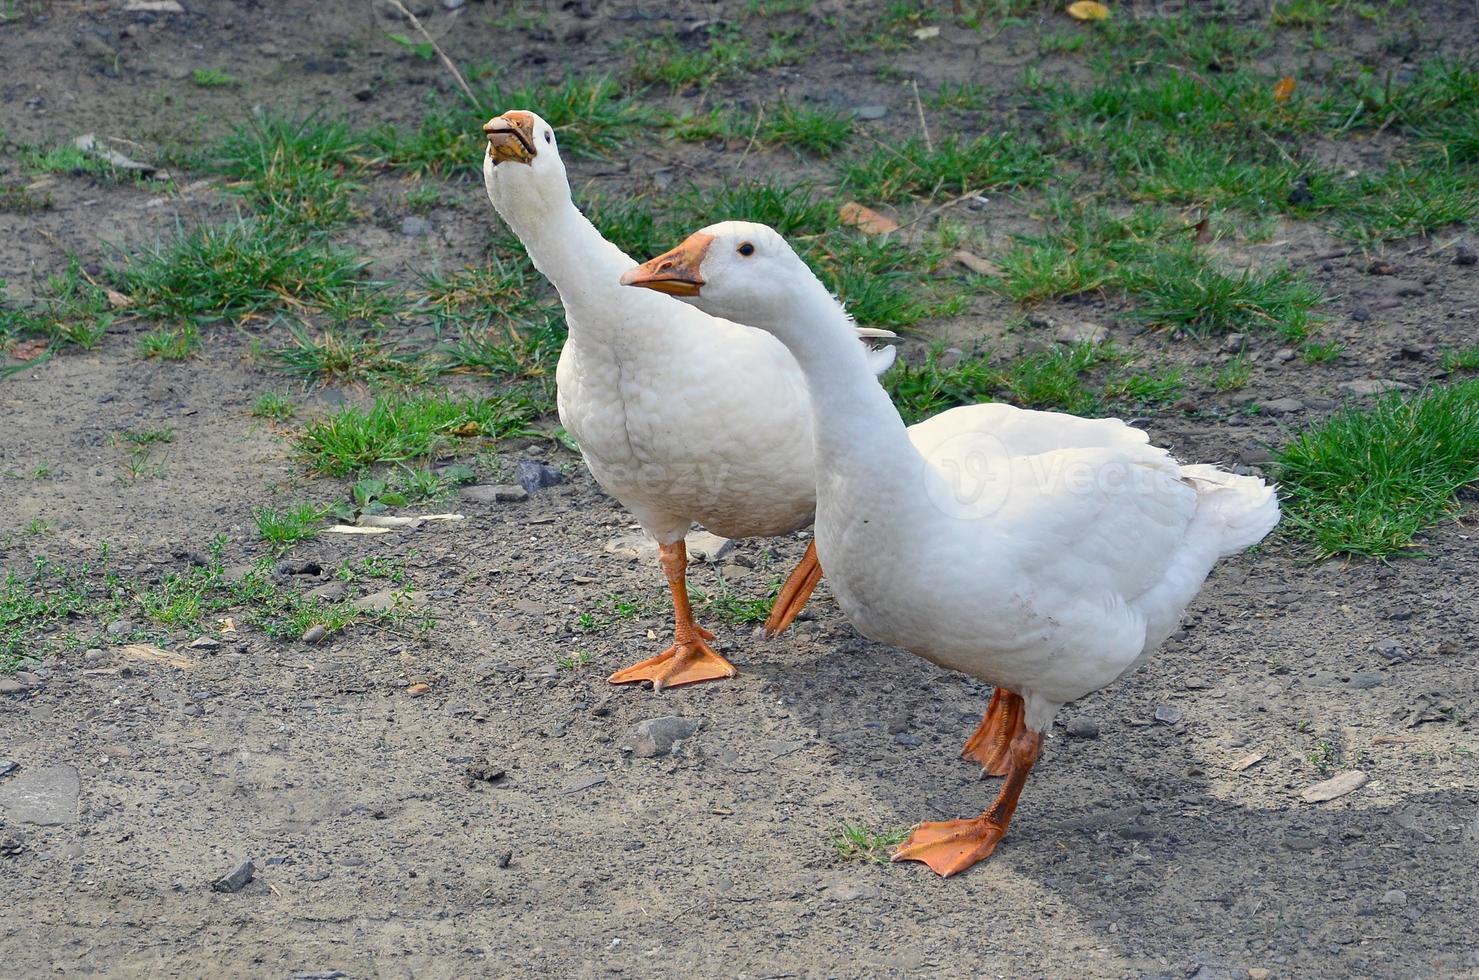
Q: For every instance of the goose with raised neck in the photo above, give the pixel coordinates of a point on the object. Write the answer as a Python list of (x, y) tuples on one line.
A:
[(682, 417)]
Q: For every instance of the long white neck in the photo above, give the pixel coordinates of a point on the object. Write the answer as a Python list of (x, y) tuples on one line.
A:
[(562, 243), (859, 435)]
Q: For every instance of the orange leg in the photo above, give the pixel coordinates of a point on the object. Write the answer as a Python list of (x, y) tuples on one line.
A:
[(991, 746), (689, 660), (793, 595), (951, 846)]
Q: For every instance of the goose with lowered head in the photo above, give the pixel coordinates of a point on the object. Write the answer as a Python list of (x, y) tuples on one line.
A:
[(1040, 552), (681, 416)]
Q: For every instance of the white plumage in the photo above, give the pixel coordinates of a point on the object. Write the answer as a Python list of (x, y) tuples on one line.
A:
[(1041, 552), (680, 416)]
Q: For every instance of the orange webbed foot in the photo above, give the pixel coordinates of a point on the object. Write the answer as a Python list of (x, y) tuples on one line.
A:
[(951, 846), (682, 663)]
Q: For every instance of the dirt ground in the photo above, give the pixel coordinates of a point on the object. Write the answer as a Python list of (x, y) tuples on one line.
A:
[(383, 840)]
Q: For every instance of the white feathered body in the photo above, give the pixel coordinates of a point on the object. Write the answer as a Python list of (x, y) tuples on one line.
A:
[(1039, 552), (681, 416)]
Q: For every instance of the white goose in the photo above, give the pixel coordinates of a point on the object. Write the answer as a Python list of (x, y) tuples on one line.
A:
[(1040, 552), (680, 416)]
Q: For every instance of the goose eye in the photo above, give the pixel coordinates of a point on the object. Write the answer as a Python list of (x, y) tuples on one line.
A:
[(746, 249), (548, 136)]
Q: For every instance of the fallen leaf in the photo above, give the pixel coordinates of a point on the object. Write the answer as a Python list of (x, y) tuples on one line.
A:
[(443, 517), (225, 625), (925, 33), (27, 350), (416, 690), (1283, 89), (158, 655), (978, 265), (866, 220), (1335, 787), (1247, 761), (351, 529), (117, 300), (1204, 232), (1088, 10), (467, 429)]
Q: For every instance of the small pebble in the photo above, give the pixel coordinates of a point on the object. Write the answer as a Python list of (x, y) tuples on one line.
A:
[(1082, 727), (1168, 714), (314, 634)]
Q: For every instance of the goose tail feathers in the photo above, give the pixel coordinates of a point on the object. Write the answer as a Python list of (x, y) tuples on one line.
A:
[(1244, 507)]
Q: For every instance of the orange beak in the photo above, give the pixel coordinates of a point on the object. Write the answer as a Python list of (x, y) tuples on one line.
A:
[(674, 272), (510, 137)]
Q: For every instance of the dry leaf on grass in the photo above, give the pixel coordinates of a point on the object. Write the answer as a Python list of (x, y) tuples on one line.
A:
[(1088, 10), (1283, 89), (925, 33), (866, 220), (467, 430), (978, 265), (27, 350)]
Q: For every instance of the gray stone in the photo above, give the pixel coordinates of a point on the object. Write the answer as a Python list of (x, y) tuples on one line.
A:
[(1365, 680), (1081, 333), (377, 601), (205, 643), (1464, 255), (1372, 386), (534, 475), (93, 657), (1281, 406), (236, 879), (706, 547), (908, 740), (1168, 714), (46, 796), (1081, 727), (314, 634), (414, 226), (870, 112), (495, 493), (656, 736), (329, 592), (855, 891), (1394, 896), (1234, 342), (9, 685), (1389, 649), (7, 767)]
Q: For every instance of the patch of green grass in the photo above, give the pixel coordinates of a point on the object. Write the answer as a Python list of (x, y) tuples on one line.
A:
[(1466, 359), (340, 354), (290, 525), (516, 349), (297, 171), (237, 269), (1322, 353), (790, 208), (727, 607), (965, 96), (68, 159), (213, 78), (171, 343), (1153, 260), (878, 279), (855, 842), (952, 168), (274, 406), (820, 132), (71, 311), (666, 61), (1234, 375), (399, 430), (1366, 481)]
